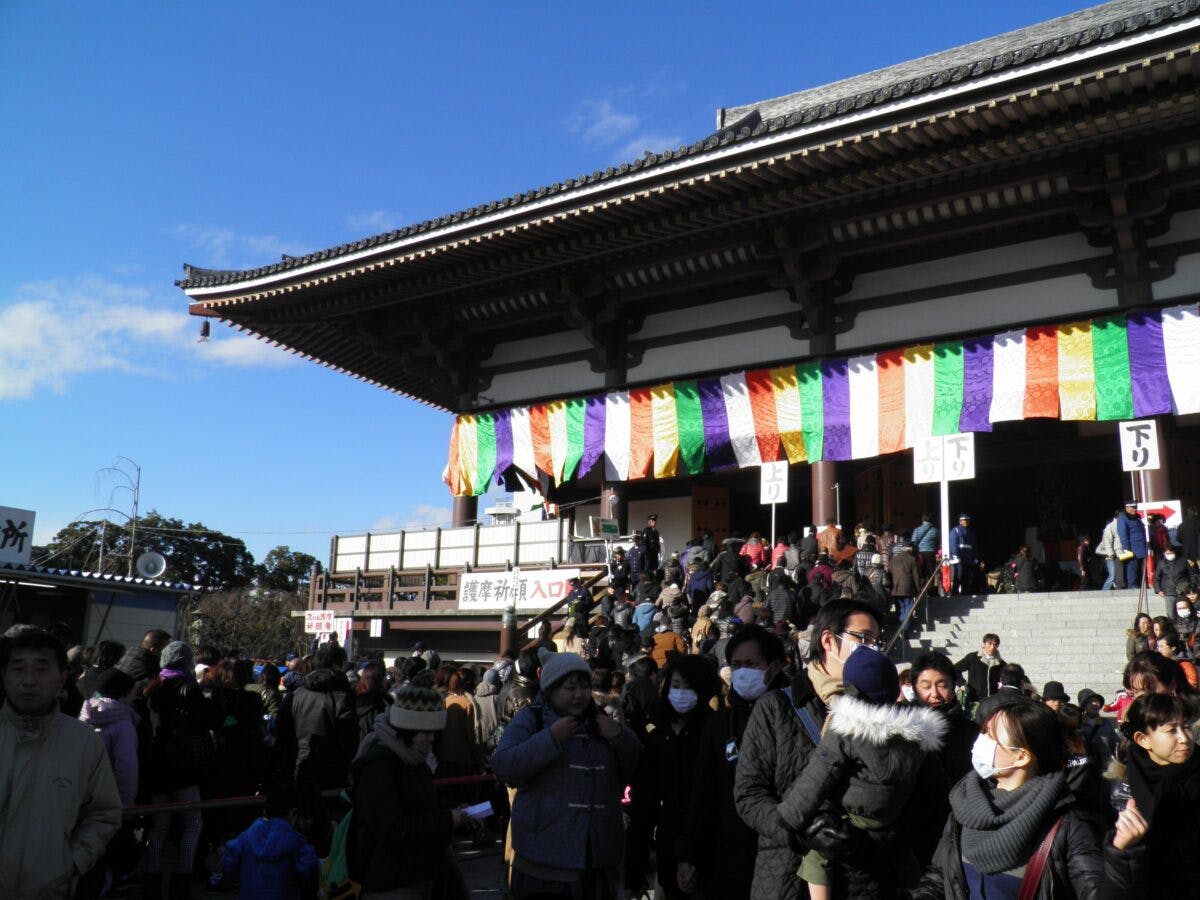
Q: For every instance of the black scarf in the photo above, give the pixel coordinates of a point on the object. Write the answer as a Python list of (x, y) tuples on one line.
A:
[(1153, 785), (1001, 829)]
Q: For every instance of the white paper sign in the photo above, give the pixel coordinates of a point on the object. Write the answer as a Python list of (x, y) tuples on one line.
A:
[(529, 590), (1139, 445), (958, 456), (16, 535), (318, 621), (773, 483), (344, 629), (927, 461), (377, 628)]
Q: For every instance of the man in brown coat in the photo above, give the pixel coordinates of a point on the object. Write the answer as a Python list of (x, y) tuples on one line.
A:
[(906, 576)]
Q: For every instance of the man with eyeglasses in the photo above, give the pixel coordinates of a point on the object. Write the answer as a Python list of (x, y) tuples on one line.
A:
[(784, 728)]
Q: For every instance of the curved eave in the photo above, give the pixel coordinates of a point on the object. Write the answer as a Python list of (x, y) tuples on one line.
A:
[(724, 155)]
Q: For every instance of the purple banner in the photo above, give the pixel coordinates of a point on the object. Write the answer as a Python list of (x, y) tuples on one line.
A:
[(718, 451), (977, 385), (1148, 364), (835, 384), (593, 434), (504, 444)]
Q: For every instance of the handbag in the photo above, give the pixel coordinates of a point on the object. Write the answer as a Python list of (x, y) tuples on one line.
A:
[(1125, 555), (1037, 864)]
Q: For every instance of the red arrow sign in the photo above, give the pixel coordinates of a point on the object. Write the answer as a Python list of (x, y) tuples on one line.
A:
[(1165, 511)]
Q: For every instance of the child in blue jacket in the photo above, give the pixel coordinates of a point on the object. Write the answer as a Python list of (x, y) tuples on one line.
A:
[(271, 861)]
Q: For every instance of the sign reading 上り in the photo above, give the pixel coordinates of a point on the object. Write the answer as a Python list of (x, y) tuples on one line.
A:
[(16, 536), (525, 590), (773, 483), (318, 621)]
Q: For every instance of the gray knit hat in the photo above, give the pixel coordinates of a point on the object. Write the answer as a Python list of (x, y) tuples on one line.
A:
[(557, 666), (177, 655), (417, 709)]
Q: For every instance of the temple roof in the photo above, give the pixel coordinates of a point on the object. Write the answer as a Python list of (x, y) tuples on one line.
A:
[(927, 76)]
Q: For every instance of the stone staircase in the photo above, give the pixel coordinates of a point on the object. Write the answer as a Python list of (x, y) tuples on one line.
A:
[(1076, 637)]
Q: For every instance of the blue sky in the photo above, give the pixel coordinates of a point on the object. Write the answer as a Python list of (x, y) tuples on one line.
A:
[(138, 136)]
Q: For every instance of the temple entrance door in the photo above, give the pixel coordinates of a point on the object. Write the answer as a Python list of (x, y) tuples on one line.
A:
[(710, 511)]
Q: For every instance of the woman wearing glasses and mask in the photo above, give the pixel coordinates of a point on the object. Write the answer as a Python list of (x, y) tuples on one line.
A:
[(1014, 829)]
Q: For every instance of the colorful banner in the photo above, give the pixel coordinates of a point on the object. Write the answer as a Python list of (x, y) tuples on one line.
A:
[(1114, 367)]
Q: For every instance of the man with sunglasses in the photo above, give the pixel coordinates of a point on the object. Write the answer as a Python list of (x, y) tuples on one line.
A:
[(783, 730)]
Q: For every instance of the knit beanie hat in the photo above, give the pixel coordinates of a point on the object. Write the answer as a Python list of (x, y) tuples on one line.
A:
[(557, 666), (871, 675), (417, 709), (177, 655), (114, 684)]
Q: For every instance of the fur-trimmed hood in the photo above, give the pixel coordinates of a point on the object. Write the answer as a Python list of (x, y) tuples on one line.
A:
[(878, 723)]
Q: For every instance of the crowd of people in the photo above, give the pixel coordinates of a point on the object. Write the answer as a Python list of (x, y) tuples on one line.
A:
[(718, 722)]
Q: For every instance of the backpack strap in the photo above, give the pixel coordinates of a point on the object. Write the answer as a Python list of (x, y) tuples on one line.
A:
[(1037, 864), (805, 717)]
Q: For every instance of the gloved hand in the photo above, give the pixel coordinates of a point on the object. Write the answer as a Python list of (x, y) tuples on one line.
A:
[(832, 836)]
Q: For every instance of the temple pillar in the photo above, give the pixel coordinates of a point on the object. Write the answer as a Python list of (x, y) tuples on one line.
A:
[(824, 502), (613, 503), (466, 511)]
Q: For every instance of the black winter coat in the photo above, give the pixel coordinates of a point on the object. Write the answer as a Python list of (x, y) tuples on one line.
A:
[(960, 738), (661, 791), (712, 820), (877, 761), (320, 722), (399, 833), (1171, 576), (1077, 869), (177, 743)]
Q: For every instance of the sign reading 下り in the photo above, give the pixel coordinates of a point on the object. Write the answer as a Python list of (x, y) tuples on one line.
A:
[(1139, 445), (16, 536)]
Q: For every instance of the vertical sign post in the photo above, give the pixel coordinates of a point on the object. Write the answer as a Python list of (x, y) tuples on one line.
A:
[(942, 460), (773, 489), (1139, 450)]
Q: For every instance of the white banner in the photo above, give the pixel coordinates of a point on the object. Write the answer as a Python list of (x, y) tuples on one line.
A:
[(525, 590), (318, 621), (16, 535)]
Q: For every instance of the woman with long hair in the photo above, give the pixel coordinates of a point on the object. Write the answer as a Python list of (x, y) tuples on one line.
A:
[(1140, 637), (1014, 825), (662, 787)]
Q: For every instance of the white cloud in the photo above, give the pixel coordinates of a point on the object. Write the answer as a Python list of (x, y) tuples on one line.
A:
[(600, 122), (656, 143), (427, 516), (422, 515), (224, 247), (243, 350), (376, 221), (52, 332)]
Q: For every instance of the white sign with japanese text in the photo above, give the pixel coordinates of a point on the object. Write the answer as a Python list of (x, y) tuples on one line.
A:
[(773, 483), (951, 457), (526, 590), (318, 621), (1139, 445), (16, 535)]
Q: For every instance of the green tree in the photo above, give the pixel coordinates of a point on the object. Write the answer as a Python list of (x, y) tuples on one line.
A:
[(195, 554), (285, 569), (258, 622)]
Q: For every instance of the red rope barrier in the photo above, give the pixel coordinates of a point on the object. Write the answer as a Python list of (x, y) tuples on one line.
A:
[(259, 799)]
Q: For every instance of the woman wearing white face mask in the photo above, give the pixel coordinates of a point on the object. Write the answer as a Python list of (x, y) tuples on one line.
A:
[(755, 657), (1185, 622), (1014, 829), (661, 789)]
